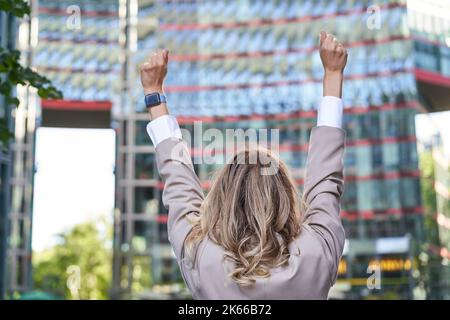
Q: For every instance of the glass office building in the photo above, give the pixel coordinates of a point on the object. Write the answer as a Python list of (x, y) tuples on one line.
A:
[(77, 48), (7, 35), (254, 65), (16, 165)]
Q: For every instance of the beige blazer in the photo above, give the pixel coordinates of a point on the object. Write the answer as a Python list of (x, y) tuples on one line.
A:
[(315, 253)]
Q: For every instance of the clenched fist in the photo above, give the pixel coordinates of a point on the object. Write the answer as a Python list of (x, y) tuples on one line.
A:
[(334, 59), (154, 71), (332, 53)]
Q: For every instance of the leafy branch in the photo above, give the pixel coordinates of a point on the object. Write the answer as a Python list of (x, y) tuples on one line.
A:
[(16, 74), (18, 8), (12, 73)]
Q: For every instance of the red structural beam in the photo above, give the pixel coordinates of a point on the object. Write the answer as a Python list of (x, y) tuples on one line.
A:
[(432, 77), (162, 218), (251, 54), (285, 147), (268, 22), (353, 215), (256, 54), (298, 114), (421, 75), (78, 105), (371, 214), (98, 41), (106, 106), (227, 25), (75, 70), (379, 176), (279, 83), (84, 13), (383, 176)]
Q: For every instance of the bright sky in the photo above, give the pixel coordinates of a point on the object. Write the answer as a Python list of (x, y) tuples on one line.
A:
[(429, 123), (74, 181)]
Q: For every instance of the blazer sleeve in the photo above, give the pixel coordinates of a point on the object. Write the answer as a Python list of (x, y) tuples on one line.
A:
[(323, 189), (182, 195)]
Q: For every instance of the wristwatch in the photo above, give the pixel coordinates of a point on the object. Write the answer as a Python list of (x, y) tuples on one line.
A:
[(154, 99)]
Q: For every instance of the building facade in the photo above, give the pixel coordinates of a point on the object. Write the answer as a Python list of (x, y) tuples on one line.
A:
[(77, 52), (254, 65), (7, 36), (17, 165)]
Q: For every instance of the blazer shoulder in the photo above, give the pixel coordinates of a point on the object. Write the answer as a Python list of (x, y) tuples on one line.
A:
[(173, 149), (310, 250)]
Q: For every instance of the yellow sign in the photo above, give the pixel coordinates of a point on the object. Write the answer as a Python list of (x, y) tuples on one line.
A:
[(385, 264), (342, 269), (391, 264)]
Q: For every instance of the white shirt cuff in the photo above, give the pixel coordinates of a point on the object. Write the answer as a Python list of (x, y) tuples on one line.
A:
[(330, 111), (162, 128)]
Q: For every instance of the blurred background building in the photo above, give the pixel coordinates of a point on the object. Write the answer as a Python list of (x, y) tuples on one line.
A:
[(254, 64), (7, 40), (17, 166)]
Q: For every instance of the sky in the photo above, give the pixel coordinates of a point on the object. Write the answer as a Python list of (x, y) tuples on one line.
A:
[(74, 180), (429, 123)]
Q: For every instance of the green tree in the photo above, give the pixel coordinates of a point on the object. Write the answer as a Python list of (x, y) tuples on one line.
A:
[(87, 249), (12, 73), (430, 261), (426, 165)]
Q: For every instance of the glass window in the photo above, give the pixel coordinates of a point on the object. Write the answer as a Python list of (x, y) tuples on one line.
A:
[(142, 139), (393, 196), (350, 160), (408, 155), (350, 198), (142, 200), (145, 166), (390, 156), (351, 229), (377, 158), (410, 192), (364, 161), (379, 198), (364, 195), (414, 227)]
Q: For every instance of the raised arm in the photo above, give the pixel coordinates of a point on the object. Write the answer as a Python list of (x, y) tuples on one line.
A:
[(182, 195), (324, 169)]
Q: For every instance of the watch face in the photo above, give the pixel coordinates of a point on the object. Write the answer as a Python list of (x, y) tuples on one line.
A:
[(152, 99)]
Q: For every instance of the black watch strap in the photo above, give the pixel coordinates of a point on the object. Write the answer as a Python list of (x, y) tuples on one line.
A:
[(154, 99)]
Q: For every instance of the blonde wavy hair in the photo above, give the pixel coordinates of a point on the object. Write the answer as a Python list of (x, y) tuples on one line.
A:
[(251, 211)]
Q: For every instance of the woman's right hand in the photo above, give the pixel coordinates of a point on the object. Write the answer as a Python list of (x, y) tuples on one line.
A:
[(334, 58), (154, 70), (332, 53), (153, 73)]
